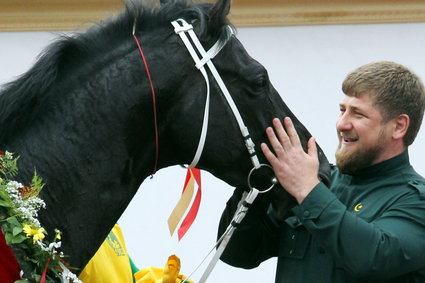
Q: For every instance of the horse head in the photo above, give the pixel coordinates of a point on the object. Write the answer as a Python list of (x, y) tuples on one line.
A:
[(184, 99)]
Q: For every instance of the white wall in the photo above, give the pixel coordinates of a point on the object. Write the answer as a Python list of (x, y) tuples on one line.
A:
[(306, 65)]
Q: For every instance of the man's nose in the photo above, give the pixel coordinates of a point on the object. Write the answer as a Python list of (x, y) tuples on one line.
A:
[(344, 122)]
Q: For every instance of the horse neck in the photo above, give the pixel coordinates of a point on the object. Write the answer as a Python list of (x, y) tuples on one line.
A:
[(93, 146)]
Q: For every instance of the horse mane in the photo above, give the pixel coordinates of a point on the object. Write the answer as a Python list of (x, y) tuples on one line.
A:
[(26, 98)]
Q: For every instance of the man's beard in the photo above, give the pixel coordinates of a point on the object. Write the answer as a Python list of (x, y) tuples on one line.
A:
[(353, 161)]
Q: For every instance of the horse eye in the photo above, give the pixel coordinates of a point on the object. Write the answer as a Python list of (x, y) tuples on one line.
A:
[(262, 82)]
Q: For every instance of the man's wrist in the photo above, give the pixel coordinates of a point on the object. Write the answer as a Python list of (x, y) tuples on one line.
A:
[(303, 193)]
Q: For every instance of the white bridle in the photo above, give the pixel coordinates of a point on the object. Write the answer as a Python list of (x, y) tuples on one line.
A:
[(182, 28)]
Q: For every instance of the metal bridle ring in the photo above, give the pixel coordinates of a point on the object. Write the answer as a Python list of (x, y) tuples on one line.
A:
[(273, 180)]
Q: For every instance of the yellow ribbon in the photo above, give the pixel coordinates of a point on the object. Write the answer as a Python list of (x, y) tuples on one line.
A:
[(182, 205)]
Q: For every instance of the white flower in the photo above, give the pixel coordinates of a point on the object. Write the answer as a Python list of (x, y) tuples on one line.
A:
[(8, 155), (14, 185), (67, 275), (28, 208), (53, 246)]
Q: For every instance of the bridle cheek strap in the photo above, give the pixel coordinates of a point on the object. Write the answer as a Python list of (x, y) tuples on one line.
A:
[(181, 27), (181, 31)]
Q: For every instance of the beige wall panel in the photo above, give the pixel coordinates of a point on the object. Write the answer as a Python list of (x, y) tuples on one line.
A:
[(31, 15)]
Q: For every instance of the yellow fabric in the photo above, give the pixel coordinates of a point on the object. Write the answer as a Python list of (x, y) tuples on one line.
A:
[(151, 274), (111, 263)]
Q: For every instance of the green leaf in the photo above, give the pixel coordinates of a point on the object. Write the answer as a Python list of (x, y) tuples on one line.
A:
[(18, 239), (37, 181), (21, 281), (8, 237), (12, 220), (17, 230), (5, 203)]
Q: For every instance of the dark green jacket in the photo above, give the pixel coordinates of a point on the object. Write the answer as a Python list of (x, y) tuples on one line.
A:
[(366, 228)]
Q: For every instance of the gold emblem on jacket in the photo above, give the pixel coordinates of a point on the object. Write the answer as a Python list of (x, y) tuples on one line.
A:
[(358, 207)]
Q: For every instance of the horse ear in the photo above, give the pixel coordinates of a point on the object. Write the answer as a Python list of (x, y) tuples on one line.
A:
[(219, 12)]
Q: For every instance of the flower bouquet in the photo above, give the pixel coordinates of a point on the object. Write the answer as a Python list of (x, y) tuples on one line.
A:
[(40, 261)]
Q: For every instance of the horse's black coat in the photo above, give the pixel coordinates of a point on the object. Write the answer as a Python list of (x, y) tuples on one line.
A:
[(83, 116)]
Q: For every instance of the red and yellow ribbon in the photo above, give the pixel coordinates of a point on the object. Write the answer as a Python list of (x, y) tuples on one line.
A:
[(193, 175)]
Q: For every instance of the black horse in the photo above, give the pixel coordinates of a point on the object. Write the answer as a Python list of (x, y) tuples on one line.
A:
[(85, 118)]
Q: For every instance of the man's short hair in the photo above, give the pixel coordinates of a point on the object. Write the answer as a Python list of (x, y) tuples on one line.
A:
[(395, 90)]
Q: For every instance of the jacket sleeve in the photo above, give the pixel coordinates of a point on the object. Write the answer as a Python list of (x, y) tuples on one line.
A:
[(255, 239), (389, 246)]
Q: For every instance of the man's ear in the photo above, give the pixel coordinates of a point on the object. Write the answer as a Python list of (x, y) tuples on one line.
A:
[(402, 123)]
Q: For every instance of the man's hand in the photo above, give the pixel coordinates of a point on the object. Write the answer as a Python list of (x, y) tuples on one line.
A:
[(296, 170)]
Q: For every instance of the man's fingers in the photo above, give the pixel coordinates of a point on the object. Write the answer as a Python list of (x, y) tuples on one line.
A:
[(282, 138), (281, 133), (275, 142), (291, 132), (268, 154), (312, 148)]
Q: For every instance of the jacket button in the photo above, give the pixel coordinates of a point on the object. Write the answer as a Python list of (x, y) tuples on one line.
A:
[(306, 213)]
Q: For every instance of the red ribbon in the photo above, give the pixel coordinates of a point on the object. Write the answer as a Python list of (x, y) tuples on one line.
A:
[(43, 275), (145, 63), (191, 215)]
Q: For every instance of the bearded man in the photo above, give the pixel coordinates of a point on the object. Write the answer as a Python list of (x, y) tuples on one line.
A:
[(369, 224)]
